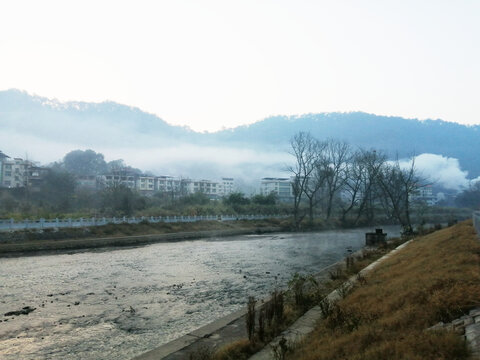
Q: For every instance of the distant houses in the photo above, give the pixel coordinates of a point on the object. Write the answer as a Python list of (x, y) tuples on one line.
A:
[(20, 173), (176, 186)]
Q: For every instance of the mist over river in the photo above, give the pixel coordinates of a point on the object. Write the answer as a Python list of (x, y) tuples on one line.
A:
[(118, 303)]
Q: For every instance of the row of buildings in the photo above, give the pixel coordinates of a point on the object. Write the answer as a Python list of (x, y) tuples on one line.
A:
[(175, 186), (18, 173)]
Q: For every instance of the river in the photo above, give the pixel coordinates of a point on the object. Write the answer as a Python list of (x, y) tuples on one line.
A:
[(117, 303)]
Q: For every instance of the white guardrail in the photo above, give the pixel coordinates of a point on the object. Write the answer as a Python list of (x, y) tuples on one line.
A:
[(476, 221), (11, 224)]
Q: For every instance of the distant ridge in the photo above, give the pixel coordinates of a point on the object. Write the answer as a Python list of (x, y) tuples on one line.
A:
[(110, 124), (395, 135)]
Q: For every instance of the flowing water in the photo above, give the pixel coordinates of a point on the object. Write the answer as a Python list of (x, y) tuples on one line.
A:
[(118, 303)]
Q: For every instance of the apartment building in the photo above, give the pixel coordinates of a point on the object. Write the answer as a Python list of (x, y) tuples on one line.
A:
[(120, 177), (282, 187), (145, 184), (14, 173), (226, 186), (169, 184), (17, 173), (3, 158), (89, 181), (425, 194)]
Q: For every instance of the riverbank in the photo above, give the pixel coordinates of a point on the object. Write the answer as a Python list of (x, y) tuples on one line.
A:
[(390, 314), (227, 338), (28, 242), (396, 308), (21, 248), (117, 303)]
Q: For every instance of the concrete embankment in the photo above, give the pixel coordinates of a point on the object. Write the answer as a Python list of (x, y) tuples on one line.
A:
[(221, 332), (231, 329), (306, 324), (19, 248)]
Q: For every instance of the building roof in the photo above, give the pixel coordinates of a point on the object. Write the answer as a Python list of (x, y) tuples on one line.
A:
[(3, 156)]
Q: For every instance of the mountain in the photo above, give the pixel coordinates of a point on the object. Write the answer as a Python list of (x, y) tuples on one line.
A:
[(47, 129), (395, 135), (107, 123)]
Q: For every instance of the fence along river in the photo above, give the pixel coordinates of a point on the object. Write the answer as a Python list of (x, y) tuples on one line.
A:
[(11, 224), (119, 303)]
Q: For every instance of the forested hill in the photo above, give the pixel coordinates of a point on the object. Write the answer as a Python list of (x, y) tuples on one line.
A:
[(112, 125), (83, 123), (395, 135)]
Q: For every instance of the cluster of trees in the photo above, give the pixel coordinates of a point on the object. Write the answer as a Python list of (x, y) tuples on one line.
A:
[(89, 162), (331, 177)]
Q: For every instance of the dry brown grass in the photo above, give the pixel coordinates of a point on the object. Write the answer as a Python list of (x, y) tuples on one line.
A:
[(238, 350), (435, 278)]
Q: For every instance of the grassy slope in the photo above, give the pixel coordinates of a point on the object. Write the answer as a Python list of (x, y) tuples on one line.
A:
[(435, 278)]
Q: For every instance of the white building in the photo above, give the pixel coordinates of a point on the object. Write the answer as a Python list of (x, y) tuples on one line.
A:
[(89, 181), (19, 173), (170, 184), (226, 186), (282, 187), (3, 158), (145, 183), (124, 178), (181, 187), (15, 173), (425, 194), (174, 186)]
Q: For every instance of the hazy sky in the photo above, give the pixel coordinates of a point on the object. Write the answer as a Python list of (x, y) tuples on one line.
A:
[(213, 64)]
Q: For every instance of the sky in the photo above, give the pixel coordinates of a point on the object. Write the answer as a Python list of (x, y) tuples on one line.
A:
[(213, 64)]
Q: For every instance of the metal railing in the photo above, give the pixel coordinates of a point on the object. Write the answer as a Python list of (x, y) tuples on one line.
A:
[(11, 224), (476, 221)]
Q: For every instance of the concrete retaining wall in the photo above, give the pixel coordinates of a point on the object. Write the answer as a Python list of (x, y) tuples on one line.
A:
[(306, 324)]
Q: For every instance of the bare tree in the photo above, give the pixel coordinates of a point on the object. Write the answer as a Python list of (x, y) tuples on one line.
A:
[(317, 179), (351, 193), (304, 150), (398, 185), (360, 190), (337, 154), (372, 165)]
